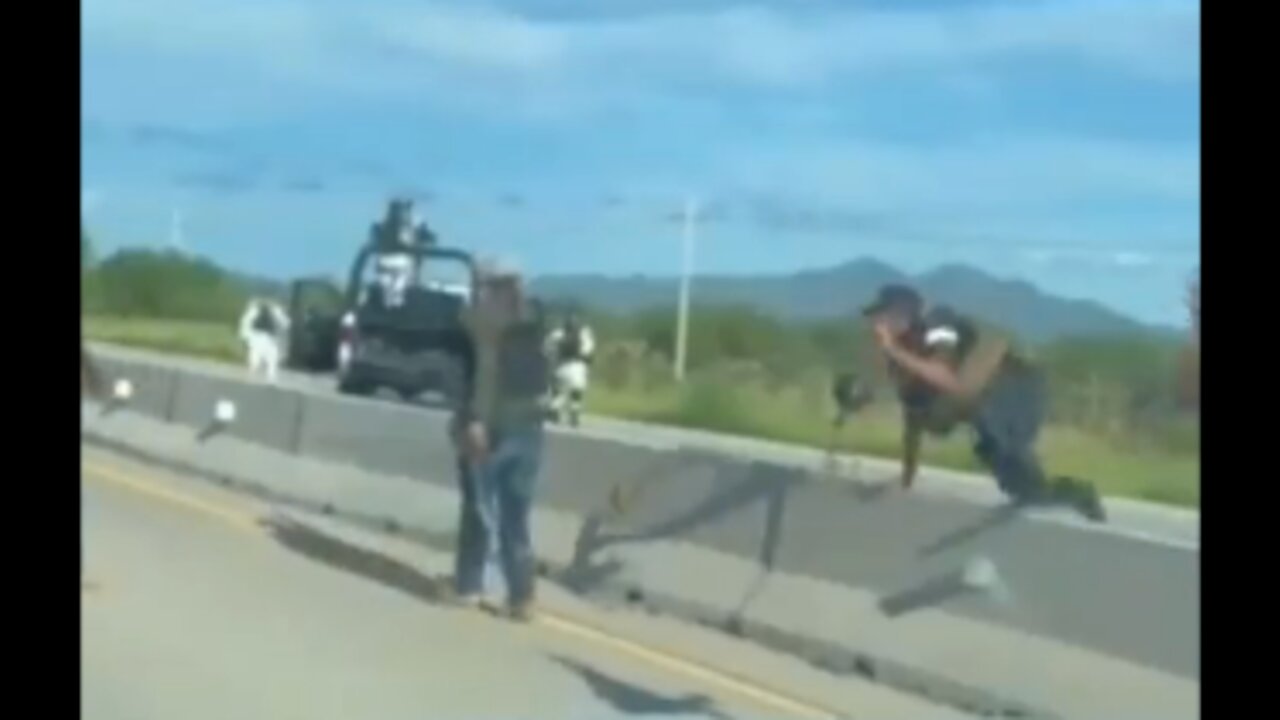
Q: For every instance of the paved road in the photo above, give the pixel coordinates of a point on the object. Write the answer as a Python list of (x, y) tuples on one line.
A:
[(200, 603)]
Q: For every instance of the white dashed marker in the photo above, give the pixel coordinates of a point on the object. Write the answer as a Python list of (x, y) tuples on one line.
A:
[(224, 412), (981, 575)]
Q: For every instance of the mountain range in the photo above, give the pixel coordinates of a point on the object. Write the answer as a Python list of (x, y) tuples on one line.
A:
[(841, 290)]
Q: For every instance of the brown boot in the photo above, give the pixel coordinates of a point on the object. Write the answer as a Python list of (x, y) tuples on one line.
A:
[(522, 610)]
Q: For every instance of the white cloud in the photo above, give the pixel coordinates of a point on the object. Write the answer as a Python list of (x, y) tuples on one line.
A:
[(1132, 259), (405, 45), (477, 38), (495, 60), (1104, 259), (1017, 174), (90, 199)]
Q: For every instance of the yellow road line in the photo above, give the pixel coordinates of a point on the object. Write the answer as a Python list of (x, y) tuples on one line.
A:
[(245, 521), (689, 668), (241, 520)]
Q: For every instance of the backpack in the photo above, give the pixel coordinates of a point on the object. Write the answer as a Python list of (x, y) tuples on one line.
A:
[(264, 321), (933, 410)]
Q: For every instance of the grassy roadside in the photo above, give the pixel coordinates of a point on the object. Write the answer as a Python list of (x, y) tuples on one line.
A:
[(791, 414), (215, 341)]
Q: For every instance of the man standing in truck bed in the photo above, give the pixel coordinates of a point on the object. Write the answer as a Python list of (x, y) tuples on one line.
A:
[(948, 373)]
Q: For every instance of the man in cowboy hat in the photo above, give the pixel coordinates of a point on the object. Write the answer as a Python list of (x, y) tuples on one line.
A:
[(498, 427)]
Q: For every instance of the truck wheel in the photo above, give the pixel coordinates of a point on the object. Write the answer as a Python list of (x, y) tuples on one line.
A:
[(347, 385), (448, 379)]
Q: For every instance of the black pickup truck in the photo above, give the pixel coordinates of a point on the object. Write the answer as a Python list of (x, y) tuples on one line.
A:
[(409, 341)]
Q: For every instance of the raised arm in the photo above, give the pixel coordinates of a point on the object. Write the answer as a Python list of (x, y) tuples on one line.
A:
[(965, 382)]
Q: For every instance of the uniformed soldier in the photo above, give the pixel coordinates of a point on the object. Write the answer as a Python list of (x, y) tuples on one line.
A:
[(262, 327), (573, 347)]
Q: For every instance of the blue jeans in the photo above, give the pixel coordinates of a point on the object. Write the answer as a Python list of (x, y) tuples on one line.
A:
[(497, 499)]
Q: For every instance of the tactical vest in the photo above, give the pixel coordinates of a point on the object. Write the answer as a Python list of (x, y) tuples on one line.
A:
[(570, 345), (524, 372), (264, 321), (511, 391), (937, 412)]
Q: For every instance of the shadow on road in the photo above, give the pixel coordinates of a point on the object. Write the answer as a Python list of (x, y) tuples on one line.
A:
[(998, 517), (868, 492), (931, 593), (328, 550), (762, 484), (632, 699)]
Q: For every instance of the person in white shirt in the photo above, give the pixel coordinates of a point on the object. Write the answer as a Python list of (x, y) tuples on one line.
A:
[(572, 346), (394, 274), (262, 327)]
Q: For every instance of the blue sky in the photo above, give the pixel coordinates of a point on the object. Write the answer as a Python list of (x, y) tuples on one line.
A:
[(1051, 140)]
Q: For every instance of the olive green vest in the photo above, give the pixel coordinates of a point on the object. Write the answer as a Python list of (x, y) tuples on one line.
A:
[(944, 411)]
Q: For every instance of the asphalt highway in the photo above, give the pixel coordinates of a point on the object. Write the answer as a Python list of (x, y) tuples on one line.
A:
[(199, 603)]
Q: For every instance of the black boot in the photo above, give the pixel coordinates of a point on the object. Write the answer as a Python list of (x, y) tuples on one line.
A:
[(1081, 496)]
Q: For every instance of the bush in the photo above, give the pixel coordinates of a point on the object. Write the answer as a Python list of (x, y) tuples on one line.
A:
[(749, 373), (168, 285)]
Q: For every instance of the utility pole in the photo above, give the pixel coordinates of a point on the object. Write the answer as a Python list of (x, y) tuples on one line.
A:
[(175, 231), (686, 272)]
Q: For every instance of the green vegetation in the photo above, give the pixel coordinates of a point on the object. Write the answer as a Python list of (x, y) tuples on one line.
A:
[(1148, 457), (1115, 413), (213, 341)]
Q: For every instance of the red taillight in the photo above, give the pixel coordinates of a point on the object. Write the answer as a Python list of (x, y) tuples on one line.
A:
[(347, 330)]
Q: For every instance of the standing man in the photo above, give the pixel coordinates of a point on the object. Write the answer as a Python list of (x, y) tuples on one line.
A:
[(498, 429), (573, 345), (262, 327), (949, 373)]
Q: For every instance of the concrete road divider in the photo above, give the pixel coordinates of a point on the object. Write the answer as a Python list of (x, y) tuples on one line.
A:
[(1122, 599)]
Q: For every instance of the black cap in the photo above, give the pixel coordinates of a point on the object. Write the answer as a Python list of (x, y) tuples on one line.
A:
[(895, 297)]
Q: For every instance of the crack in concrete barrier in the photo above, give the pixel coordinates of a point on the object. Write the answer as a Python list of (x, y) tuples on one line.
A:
[(823, 654)]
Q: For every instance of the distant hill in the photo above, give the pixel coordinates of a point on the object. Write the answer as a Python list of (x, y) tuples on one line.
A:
[(839, 291), (259, 286)]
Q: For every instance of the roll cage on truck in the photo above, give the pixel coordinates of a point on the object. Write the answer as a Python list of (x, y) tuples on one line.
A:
[(408, 338)]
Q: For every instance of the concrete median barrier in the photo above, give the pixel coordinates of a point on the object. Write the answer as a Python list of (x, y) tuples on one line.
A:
[(155, 387), (768, 545), (263, 414), (382, 437)]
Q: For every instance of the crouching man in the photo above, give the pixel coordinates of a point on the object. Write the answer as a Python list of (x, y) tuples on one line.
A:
[(949, 373), (498, 430)]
